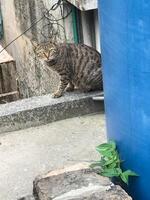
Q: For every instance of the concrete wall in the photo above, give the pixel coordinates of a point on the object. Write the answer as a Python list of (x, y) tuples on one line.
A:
[(90, 28), (86, 28), (85, 4), (33, 78)]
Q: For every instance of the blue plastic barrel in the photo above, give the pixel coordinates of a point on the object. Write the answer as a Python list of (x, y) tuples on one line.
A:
[(125, 43)]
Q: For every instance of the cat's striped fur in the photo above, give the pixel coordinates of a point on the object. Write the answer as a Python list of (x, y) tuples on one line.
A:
[(77, 64)]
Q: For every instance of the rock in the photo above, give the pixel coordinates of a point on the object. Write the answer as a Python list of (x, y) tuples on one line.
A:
[(76, 183)]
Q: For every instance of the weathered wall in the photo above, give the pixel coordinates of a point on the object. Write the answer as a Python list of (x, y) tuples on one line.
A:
[(85, 4), (33, 77)]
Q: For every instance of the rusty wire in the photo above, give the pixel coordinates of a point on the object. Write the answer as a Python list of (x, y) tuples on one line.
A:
[(52, 21), (54, 24)]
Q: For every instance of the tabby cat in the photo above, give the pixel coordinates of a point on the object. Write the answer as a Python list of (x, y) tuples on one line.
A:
[(77, 64)]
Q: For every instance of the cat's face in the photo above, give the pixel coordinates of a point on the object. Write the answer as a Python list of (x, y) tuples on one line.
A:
[(47, 52)]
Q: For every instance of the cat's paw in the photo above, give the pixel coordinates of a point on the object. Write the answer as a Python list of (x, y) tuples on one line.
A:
[(69, 89), (56, 95)]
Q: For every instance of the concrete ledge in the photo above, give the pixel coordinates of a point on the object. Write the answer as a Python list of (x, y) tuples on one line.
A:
[(40, 110)]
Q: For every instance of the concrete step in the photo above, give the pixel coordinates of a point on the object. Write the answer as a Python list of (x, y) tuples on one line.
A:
[(40, 110), (37, 150)]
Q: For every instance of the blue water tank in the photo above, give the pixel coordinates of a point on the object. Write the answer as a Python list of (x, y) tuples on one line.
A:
[(125, 43)]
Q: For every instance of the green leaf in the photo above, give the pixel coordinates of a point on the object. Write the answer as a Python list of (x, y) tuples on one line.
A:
[(130, 173), (111, 172), (103, 161), (114, 158), (125, 175), (96, 164), (113, 144), (124, 178), (110, 162), (113, 165), (104, 146), (110, 146), (119, 170), (107, 154)]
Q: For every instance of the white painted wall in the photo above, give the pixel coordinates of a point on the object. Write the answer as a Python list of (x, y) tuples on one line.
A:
[(97, 30), (91, 29), (87, 37)]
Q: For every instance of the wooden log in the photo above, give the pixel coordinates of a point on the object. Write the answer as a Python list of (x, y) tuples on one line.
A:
[(4, 56), (1, 81), (8, 94), (8, 82)]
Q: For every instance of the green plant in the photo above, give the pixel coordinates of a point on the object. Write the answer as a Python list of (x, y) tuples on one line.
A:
[(110, 163)]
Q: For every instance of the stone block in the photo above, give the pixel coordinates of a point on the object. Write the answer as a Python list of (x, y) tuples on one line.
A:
[(77, 182)]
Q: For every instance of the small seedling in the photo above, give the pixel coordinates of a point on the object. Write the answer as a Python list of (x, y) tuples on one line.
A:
[(110, 163)]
